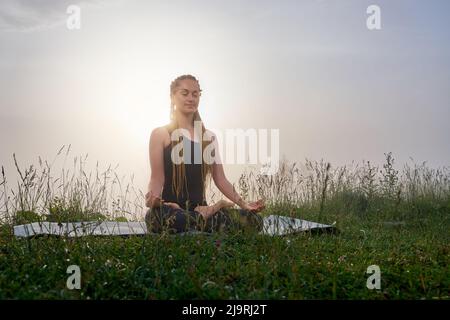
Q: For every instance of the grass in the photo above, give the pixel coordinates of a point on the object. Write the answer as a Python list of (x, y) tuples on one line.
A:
[(399, 221)]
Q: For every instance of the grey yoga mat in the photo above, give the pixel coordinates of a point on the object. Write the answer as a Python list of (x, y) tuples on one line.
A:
[(274, 225)]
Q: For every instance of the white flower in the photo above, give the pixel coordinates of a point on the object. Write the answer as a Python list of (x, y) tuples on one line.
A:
[(208, 283)]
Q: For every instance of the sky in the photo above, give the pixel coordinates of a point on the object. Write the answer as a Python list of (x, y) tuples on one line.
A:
[(312, 69)]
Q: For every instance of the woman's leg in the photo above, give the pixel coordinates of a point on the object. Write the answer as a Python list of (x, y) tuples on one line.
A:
[(250, 221), (231, 220), (221, 221), (178, 220), (166, 218)]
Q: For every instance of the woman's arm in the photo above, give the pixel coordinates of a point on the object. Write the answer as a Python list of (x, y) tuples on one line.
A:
[(220, 179), (229, 191), (156, 155), (226, 187)]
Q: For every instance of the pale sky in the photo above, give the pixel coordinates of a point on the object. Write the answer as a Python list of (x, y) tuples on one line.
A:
[(312, 69)]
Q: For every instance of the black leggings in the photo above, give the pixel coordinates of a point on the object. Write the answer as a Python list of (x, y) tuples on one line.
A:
[(178, 220)]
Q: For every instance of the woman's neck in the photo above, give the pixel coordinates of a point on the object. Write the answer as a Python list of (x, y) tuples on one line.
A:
[(185, 121)]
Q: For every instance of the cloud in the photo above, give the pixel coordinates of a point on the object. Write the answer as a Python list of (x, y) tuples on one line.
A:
[(26, 15)]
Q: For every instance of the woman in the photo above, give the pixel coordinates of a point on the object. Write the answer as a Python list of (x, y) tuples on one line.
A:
[(176, 192)]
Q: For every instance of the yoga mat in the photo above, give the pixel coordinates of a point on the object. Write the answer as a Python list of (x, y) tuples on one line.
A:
[(274, 225)]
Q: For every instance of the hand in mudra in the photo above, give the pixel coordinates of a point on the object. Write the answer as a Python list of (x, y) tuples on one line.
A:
[(255, 207), (155, 201), (207, 211), (152, 200)]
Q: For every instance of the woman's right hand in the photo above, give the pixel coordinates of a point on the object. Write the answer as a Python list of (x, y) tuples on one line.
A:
[(152, 201)]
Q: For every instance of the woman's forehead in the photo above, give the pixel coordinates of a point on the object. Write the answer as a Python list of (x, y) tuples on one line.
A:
[(189, 85)]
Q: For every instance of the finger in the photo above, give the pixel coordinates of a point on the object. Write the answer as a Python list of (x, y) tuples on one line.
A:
[(258, 209)]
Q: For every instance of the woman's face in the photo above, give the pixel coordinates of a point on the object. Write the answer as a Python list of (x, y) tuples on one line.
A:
[(186, 96)]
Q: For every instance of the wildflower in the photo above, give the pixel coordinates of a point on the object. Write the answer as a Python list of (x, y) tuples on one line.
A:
[(208, 283)]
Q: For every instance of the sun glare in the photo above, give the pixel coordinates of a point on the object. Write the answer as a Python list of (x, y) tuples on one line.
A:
[(137, 122)]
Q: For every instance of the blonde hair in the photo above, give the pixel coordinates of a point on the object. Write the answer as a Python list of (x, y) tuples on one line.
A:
[(179, 171)]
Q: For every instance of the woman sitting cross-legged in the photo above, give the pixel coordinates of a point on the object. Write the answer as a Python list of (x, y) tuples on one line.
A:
[(176, 192)]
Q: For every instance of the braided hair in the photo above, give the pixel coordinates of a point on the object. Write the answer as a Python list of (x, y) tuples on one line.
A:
[(179, 173)]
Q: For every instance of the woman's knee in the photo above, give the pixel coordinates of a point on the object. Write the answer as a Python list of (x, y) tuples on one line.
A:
[(153, 220), (251, 220)]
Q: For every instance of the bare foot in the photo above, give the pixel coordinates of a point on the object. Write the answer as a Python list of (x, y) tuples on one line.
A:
[(207, 211)]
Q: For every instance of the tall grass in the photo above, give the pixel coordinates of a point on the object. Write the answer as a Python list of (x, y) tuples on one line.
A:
[(359, 189), (397, 219), (73, 194), (363, 190)]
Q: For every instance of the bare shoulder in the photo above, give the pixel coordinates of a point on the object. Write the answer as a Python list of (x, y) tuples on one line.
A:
[(160, 135), (160, 131)]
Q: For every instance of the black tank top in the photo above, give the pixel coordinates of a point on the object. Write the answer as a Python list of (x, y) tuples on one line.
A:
[(193, 171)]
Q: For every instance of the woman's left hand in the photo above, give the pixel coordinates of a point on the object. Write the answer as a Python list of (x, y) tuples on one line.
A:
[(255, 207)]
